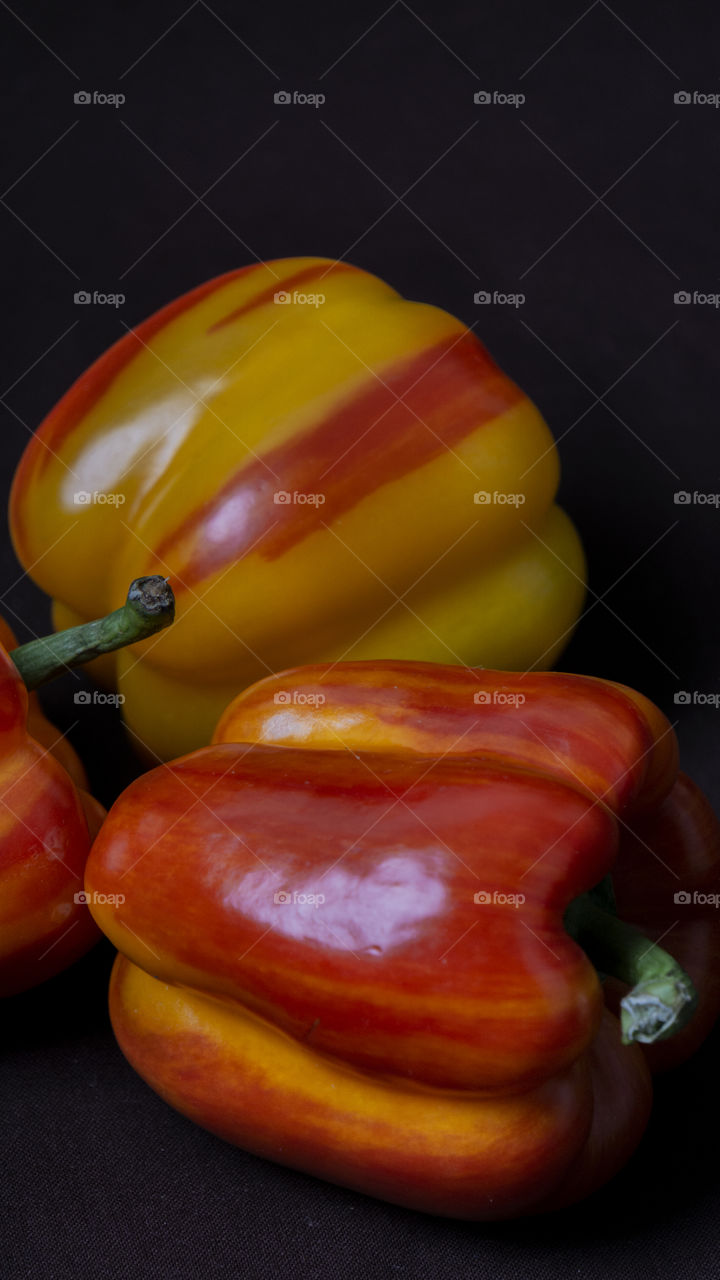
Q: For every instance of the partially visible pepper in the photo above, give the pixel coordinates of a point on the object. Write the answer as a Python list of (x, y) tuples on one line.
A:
[(41, 729), (48, 819)]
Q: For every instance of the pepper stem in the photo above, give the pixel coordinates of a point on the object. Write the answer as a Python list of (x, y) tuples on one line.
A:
[(149, 607), (662, 999)]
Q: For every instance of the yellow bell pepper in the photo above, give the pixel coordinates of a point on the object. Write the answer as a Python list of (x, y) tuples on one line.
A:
[(322, 469)]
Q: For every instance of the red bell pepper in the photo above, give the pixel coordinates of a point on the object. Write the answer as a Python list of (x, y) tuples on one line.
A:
[(358, 931), (47, 818)]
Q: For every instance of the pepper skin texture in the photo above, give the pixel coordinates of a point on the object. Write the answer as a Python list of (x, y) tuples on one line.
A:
[(342, 941), (47, 824), (353, 479)]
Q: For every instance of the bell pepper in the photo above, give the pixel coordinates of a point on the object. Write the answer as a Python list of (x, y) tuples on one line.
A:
[(49, 819), (360, 932), (322, 469), (41, 729)]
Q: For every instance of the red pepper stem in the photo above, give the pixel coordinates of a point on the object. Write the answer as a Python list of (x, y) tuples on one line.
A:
[(662, 999), (149, 607)]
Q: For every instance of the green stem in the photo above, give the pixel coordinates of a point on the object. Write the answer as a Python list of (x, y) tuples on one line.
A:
[(662, 999), (149, 607)]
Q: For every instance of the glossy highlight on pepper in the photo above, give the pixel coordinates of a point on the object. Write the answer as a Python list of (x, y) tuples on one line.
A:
[(350, 478)]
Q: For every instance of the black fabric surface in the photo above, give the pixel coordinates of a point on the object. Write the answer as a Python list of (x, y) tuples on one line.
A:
[(598, 199)]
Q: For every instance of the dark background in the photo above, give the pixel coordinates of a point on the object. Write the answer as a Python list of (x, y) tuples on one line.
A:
[(598, 199)]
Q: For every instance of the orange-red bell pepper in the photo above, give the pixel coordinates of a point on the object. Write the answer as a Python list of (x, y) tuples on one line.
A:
[(48, 823), (346, 928), (47, 817), (41, 729)]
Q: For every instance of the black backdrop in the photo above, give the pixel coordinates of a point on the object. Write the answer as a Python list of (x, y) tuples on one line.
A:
[(597, 198)]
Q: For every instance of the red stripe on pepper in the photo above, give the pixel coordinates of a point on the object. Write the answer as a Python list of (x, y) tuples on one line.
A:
[(453, 388)]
